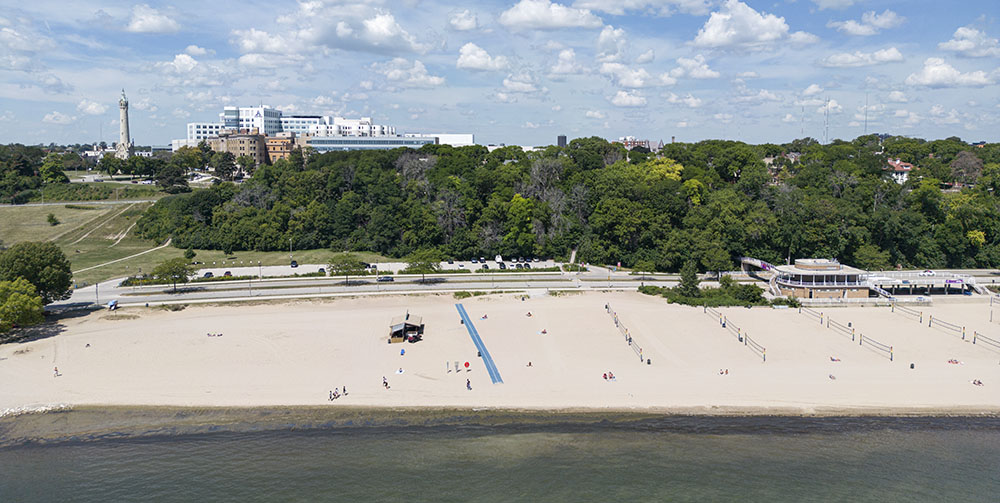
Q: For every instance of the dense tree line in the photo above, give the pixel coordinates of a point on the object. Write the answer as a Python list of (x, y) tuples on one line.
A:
[(709, 202)]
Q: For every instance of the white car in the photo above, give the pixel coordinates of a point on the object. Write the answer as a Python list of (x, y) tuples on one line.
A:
[(498, 259), (928, 272)]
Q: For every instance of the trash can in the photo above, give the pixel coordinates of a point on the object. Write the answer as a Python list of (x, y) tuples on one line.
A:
[(648, 361)]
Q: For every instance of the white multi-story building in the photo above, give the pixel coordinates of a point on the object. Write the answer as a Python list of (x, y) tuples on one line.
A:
[(198, 131), (453, 139), (263, 118)]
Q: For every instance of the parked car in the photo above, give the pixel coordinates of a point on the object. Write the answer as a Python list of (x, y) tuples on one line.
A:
[(519, 266), (535, 259), (502, 265), (486, 266), (228, 274), (474, 261), (527, 266), (295, 264), (520, 259), (451, 261), (385, 279), (209, 275), (482, 260), (928, 272), (321, 270), (498, 259), (366, 265)]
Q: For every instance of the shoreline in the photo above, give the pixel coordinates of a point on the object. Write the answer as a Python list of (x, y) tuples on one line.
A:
[(95, 423)]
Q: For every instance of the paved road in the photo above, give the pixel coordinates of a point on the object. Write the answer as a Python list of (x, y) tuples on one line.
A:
[(82, 203)]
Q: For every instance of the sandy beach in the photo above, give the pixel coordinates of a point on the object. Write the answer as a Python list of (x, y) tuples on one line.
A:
[(294, 354)]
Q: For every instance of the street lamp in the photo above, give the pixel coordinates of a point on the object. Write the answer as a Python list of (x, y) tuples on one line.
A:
[(289, 248)]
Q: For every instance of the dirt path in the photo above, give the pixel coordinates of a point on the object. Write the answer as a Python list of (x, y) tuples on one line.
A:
[(100, 225), (164, 245), (120, 238)]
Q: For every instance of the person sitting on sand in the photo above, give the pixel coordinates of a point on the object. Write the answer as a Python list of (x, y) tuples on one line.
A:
[(544, 331), (611, 377), (832, 359), (529, 314), (529, 364), (605, 376), (484, 317), (977, 382), (833, 377)]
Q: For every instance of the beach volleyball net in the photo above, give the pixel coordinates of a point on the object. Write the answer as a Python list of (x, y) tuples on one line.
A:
[(876, 345), (812, 313), (626, 333), (840, 327), (946, 326), (896, 308), (741, 336)]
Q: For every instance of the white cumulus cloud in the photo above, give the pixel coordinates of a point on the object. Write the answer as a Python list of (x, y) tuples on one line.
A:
[(897, 97), (58, 118), (937, 73), (688, 100), (463, 21), (545, 15), (646, 57), (655, 7), (194, 50), (972, 43), (812, 90), (146, 19), (91, 107), (695, 68), (834, 4), (628, 99), (595, 114), (625, 76), (870, 24), (739, 25), (611, 44), (566, 64), (859, 58), (473, 57), (401, 72)]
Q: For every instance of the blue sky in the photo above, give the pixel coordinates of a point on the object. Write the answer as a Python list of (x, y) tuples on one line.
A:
[(514, 71)]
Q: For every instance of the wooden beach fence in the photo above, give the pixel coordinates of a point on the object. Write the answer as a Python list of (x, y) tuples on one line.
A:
[(818, 315)]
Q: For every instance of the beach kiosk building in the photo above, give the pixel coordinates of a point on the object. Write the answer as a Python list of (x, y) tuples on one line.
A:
[(406, 328), (812, 278)]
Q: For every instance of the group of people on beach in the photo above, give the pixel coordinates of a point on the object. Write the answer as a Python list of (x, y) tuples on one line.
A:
[(609, 376), (335, 394), (214, 335), (723, 372), (977, 382)]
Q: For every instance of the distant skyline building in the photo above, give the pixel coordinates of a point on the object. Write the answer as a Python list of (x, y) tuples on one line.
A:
[(124, 148), (561, 140)]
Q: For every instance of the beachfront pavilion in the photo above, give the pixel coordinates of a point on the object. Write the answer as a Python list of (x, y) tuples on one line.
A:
[(821, 279), (406, 328)]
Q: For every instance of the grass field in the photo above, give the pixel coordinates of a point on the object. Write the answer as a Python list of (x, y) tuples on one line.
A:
[(91, 238)]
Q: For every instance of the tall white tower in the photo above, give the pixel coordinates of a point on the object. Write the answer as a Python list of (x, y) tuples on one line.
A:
[(124, 148)]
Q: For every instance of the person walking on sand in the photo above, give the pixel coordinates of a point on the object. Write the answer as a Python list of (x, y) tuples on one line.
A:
[(468, 384), (331, 395), (345, 390), (55, 371)]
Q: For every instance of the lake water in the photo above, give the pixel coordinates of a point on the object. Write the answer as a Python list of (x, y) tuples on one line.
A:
[(665, 459)]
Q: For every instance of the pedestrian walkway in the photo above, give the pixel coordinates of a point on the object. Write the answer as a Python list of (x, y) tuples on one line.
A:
[(491, 367)]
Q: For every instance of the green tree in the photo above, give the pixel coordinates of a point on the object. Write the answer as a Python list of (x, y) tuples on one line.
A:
[(644, 266), (189, 253), (716, 259), (175, 270), (345, 264), (871, 258), (111, 164), (424, 261), (42, 264), (689, 280), (20, 304), (246, 163), (224, 164), (52, 170), (52, 220)]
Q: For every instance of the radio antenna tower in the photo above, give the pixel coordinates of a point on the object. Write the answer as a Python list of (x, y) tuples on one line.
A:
[(826, 122), (866, 114)]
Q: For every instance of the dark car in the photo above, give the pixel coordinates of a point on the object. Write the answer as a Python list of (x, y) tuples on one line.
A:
[(321, 270), (486, 266), (450, 261), (527, 266), (385, 279), (482, 259), (228, 274), (209, 275), (520, 259), (502, 265), (295, 264), (518, 266), (366, 265)]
